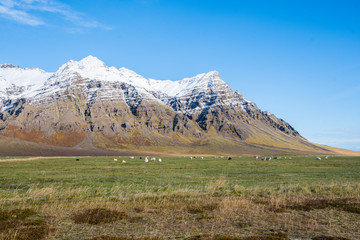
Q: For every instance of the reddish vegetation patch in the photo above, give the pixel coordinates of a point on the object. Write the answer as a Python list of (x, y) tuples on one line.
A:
[(16, 132), (64, 139)]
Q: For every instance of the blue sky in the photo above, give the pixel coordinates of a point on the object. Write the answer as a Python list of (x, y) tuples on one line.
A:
[(298, 59)]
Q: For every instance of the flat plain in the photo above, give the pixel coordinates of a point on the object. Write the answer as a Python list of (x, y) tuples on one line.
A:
[(207, 197)]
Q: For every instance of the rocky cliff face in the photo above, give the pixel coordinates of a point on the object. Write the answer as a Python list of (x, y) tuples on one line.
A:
[(117, 109)]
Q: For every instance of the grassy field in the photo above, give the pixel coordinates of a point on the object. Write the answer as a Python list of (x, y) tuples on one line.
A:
[(180, 198)]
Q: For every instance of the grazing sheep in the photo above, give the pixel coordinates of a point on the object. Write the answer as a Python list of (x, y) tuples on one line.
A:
[(140, 157), (263, 158), (131, 157), (229, 158), (326, 157), (115, 159), (146, 160), (78, 159), (256, 157), (202, 157), (123, 161), (318, 158), (159, 160), (190, 157), (153, 159)]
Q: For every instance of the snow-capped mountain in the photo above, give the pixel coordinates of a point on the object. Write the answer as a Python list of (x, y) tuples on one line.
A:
[(119, 109), (16, 81), (36, 85)]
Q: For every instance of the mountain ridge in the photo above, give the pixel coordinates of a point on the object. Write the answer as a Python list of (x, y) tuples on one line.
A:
[(119, 110)]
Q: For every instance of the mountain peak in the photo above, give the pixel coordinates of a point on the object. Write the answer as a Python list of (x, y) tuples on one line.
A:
[(213, 73), (91, 61)]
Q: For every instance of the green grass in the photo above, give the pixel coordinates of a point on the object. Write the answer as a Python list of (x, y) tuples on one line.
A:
[(176, 173), (210, 197)]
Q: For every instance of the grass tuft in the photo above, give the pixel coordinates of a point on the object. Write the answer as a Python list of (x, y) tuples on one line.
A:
[(269, 236), (15, 224), (98, 216), (27, 233), (329, 238), (106, 237), (242, 224), (202, 208), (16, 214), (314, 204), (9, 224)]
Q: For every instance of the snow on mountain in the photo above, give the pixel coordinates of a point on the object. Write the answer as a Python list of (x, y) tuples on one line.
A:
[(202, 90), (15, 81), (185, 86), (89, 67)]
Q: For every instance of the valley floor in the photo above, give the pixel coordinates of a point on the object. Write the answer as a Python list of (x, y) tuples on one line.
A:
[(180, 198)]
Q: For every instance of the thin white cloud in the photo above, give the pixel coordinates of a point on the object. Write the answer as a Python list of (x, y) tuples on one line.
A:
[(19, 16), (24, 12)]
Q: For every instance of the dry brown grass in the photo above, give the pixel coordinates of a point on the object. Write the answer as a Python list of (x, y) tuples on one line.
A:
[(20, 224), (188, 217)]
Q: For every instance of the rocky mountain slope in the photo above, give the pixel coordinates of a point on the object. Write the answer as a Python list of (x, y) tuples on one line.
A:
[(88, 105)]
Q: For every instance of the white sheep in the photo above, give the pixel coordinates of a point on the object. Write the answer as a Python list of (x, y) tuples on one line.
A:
[(115, 159), (160, 160), (123, 161), (131, 157), (190, 157), (202, 157), (318, 158), (146, 160), (326, 157), (153, 159)]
